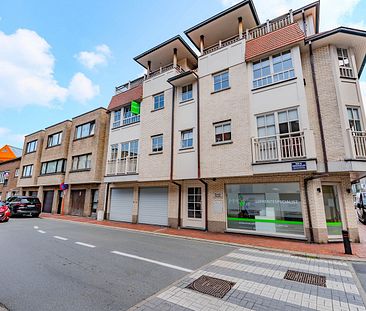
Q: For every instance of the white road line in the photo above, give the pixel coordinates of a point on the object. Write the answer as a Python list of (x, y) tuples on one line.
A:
[(41, 231), (152, 261), (60, 238), (35, 227), (84, 244)]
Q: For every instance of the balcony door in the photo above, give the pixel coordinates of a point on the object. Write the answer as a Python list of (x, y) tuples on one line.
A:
[(332, 211)]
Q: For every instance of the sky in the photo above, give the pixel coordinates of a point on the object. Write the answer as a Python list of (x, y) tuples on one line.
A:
[(59, 59)]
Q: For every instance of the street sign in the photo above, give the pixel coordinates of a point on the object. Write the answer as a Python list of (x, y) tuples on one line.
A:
[(298, 166), (64, 186)]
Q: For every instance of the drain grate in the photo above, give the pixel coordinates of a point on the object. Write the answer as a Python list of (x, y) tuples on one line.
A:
[(211, 286), (304, 277)]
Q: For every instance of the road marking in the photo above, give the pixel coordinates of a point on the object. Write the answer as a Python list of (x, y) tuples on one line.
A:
[(41, 231), (152, 261), (35, 227), (60, 238), (84, 244)]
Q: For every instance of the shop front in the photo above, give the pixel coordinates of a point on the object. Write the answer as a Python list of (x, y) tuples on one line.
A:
[(266, 208)]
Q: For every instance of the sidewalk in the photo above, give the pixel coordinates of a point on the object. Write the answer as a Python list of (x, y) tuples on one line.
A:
[(322, 250)]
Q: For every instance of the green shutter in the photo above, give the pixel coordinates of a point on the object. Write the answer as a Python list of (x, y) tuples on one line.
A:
[(135, 107)]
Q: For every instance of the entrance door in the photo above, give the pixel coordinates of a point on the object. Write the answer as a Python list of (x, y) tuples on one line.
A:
[(332, 211), (59, 205), (77, 202), (193, 211), (47, 201), (94, 203)]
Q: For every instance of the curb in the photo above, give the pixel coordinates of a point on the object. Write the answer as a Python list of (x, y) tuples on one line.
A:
[(263, 248)]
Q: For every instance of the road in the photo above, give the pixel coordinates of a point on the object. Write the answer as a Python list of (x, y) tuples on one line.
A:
[(57, 265)]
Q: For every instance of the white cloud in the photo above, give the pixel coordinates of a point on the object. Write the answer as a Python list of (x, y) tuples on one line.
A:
[(333, 13), (90, 59), (82, 88), (27, 73), (8, 137)]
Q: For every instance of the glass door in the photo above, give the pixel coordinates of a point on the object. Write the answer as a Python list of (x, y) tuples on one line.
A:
[(332, 211)]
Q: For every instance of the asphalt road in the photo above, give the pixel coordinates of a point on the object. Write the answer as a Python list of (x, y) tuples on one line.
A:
[(57, 265)]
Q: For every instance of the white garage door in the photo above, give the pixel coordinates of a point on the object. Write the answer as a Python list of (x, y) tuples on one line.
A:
[(121, 205), (153, 206)]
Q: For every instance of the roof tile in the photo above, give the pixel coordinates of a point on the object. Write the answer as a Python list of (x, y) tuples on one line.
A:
[(126, 97)]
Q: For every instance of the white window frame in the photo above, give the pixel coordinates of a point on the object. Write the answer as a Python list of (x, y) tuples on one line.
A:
[(221, 81), (183, 139), (27, 170), (353, 120), (187, 92), (157, 143), (345, 67), (221, 126), (116, 118), (128, 116), (114, 152), (31, 146), (194, 198), (159, 101), (274, 77)]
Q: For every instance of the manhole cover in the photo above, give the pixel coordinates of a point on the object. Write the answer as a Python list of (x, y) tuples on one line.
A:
[(304, 277), (211, 286)]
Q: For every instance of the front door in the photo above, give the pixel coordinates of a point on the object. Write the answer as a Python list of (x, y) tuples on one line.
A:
[(332, 211), (47, 201), (77, 202), (193, 210)]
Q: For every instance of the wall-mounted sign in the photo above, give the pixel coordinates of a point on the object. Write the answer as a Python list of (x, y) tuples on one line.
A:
[(64, 186), (218, 195), (135, 107), (298, 166)]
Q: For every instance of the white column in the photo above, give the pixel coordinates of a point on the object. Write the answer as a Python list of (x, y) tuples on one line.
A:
[(175, 58), (202, 43), (240, 27)]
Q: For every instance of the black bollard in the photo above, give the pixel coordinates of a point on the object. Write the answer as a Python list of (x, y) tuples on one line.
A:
[(346, 242)]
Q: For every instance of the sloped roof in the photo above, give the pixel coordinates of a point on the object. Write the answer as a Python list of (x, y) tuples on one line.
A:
[(8, 152), (126, 97)]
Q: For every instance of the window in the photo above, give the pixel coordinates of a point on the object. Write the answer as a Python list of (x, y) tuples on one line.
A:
[(278, 67), (52, 167), (159, 101), (266, 125), (194, 202), (4, 176), (223, 132), (129, 153), (221, 81), (81, 162), (27, 170), (54, 140), (31, 146), (187, 139), (344, 63), (157, 143), (116, 118), (16, 174), (288, 121), (85, 130), (187, 92), (129, 117), (354, 119), (114, 152)]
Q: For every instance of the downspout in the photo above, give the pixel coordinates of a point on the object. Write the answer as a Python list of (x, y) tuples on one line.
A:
[(179, 202), (304, 23), (306, 180), (206, 202)]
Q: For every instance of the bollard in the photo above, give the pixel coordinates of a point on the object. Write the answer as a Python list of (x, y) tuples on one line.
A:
[(346, 242)]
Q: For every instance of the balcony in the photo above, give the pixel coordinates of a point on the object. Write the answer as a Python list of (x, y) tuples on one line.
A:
[(279, 148), (129, 85), (346, 72), (358, 144), (122, 166), (161, 70)]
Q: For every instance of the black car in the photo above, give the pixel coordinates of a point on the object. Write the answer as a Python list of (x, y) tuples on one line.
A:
[(360, 205), (24, 206)]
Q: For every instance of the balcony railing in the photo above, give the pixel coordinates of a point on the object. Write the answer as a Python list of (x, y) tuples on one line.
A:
[(358, 140), (122, 166), (279, 147), (346, 72), (164, 69), (129, 85), (253, 33)]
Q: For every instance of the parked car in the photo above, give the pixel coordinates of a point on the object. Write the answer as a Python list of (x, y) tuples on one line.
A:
[(4, 212), (24, 206), (360, 205)]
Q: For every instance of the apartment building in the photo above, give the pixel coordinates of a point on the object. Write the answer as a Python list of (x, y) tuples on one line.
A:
[(9, 173), (70, 153), (261, 132)]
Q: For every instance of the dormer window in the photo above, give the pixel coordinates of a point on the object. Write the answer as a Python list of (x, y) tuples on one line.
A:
[(344, 63)]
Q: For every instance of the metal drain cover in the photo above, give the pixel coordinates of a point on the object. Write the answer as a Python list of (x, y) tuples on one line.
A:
[(211, 286), (304, 277)]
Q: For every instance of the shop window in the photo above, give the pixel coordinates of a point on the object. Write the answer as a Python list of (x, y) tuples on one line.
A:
[(194, 202), (265, 208)]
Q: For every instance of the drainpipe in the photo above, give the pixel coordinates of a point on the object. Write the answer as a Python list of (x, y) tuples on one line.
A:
[(306, 180), (304, 23), (198, 129), (206, 202), (322, 139), (106, 201), (172, 137)]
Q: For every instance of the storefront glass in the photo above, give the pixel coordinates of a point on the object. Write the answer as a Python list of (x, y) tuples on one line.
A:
[(266, 208)]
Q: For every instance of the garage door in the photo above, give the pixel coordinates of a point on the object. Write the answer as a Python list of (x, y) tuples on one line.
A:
[(153, 206), (121, 205)]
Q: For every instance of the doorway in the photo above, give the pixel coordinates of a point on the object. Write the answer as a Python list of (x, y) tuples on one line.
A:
[(47, 202), (77, 202), (332, 211)]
